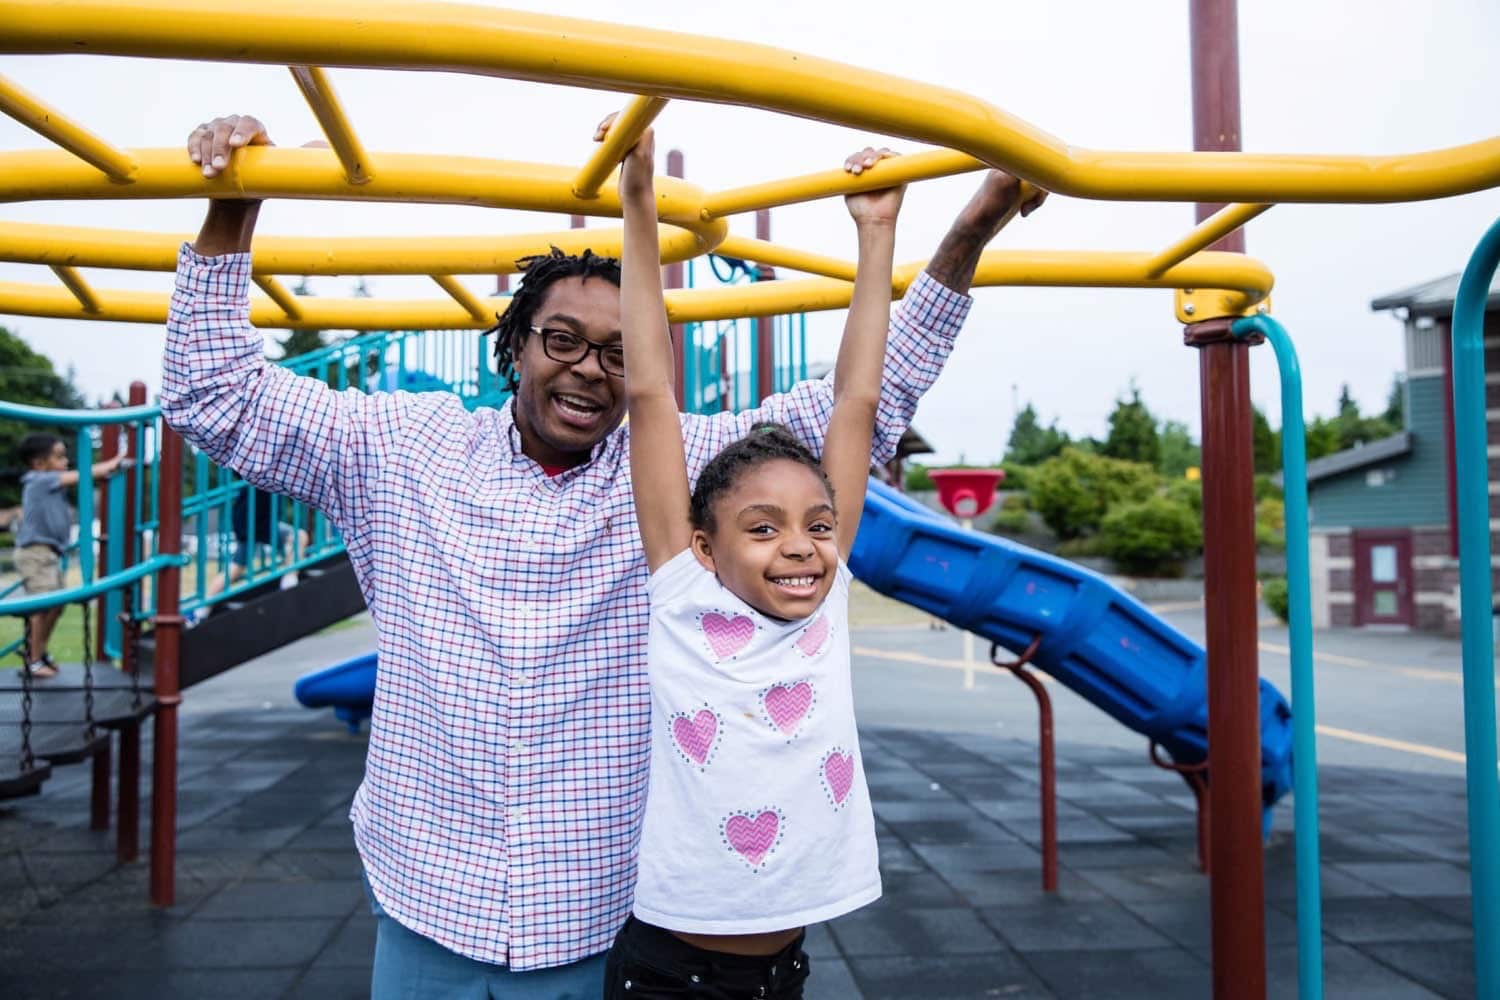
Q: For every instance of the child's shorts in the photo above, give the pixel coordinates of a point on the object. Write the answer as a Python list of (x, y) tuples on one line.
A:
[(648, 962), (40, 569)]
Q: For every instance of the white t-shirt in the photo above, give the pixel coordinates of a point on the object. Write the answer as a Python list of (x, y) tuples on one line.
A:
[(757, 815)]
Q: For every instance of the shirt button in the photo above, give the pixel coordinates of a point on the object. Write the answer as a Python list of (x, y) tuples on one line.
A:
[(519, 746)]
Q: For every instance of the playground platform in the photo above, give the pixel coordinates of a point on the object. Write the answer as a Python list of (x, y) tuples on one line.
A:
[(270, 902)]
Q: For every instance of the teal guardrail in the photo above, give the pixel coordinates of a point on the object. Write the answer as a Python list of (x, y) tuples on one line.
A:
[(722, 357), (139, 423), (1299, 620), (1476, 604)]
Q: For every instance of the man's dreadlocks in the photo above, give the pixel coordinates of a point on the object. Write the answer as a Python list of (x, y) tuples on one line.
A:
[(541, 271)]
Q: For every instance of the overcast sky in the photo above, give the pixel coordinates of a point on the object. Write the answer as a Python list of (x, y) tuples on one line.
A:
[(1376, 77)]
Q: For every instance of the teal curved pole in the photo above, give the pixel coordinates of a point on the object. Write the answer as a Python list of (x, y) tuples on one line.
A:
[(1476, 607), (1299, 621)]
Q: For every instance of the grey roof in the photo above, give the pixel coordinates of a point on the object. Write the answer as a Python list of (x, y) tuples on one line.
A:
[(1434, 298), (1358, 456)]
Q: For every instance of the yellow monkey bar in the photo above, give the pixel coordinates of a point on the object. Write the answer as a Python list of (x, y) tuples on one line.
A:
[(654, 65)]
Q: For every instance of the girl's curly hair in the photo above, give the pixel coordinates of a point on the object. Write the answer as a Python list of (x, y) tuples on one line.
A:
[(768, 442), (541, 271)]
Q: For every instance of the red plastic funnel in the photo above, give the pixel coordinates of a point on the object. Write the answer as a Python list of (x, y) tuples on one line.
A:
[(967, 492)]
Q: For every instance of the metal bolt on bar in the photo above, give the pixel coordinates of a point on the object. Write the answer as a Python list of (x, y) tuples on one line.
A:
[(627, 128), (40, 117), (317, 89), (1299, 615)]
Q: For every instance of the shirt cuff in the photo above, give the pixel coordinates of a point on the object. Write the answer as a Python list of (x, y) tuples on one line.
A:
[(933, 306), (223, 275)]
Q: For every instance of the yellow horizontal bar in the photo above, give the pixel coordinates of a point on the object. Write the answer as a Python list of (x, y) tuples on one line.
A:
[(487, 41), (278, 172), (280, 295), (1223, 222), (318, 91), (768, 298), (627, 128), (80, 288), (471, 303), (825, 183), (36, 243), (772, 255), (40, 117)]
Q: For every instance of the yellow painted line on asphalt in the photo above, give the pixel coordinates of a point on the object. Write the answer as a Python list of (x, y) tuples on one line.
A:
[(1420, 673), (1171, 606), (1421, 749), (897, 656)]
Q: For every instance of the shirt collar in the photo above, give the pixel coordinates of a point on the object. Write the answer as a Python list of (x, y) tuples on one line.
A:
[(607, 449)]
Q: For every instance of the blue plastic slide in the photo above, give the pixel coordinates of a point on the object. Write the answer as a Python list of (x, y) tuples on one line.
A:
[(1096, 639), (348, 688)]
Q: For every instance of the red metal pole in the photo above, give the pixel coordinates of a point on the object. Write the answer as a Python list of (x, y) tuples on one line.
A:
[(765, 326), (1236, 861), (1048, 756), (128, 833), (675, 277), (99, 792), (168, 636)]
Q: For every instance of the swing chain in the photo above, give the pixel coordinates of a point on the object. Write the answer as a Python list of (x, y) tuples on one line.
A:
[(88, 671), (28, 759)]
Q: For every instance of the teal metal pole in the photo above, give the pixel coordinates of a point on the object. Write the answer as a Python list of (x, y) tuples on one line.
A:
[(1299, 614), (1476, 606), (84, 462)]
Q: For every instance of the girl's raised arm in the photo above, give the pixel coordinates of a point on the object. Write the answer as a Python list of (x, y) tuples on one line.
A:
[(856, 375), (658, 469)]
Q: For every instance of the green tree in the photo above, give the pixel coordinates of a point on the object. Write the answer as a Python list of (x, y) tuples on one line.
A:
[(1266, 443), (1132, 431), (1151, 537), (29, 378), (1395, 404), (1030, 442), (1073, 491), (1179, 452), (298, 342), (1322, 438)]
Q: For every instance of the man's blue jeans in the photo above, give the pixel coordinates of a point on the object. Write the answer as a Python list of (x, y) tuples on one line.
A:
[(408, 965)]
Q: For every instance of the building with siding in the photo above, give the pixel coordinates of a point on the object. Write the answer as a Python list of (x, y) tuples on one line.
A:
[(1383, 515)]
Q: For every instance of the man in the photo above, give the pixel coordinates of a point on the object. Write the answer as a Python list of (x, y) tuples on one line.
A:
[(497, 551)]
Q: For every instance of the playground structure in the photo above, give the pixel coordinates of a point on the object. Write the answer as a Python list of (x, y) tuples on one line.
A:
[(1220, 297)]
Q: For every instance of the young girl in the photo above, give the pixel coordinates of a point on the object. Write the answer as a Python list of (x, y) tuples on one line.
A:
[(758, 821)]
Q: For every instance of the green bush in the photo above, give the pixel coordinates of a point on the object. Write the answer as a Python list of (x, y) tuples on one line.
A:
[(917, 479), (1188, 492), (1012, 521), (1264, 487), (1073, 491), (1151, 537), (1273, 590), (1016, 476), (1270, 524), (1015, 501)]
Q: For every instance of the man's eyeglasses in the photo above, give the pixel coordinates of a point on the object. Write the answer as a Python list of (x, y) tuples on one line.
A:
[(568, 348)]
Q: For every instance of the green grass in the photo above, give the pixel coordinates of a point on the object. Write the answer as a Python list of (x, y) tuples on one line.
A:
[(67, 639)]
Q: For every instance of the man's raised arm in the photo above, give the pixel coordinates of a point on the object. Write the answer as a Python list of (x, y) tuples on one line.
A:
[(924, 326), (282, 432)]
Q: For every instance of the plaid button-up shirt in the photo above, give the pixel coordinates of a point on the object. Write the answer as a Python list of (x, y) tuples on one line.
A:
[(503, 791)]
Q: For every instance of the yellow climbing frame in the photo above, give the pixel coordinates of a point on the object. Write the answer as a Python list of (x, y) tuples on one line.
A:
[(656, 67)]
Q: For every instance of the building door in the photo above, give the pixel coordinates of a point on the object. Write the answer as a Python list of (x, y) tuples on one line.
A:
[(1382, 578)]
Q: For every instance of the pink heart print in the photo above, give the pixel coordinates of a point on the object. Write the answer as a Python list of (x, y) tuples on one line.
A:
[(753, 838), (695, 736), (838, 771), (787, 704), (727, 634), (812, 639)]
